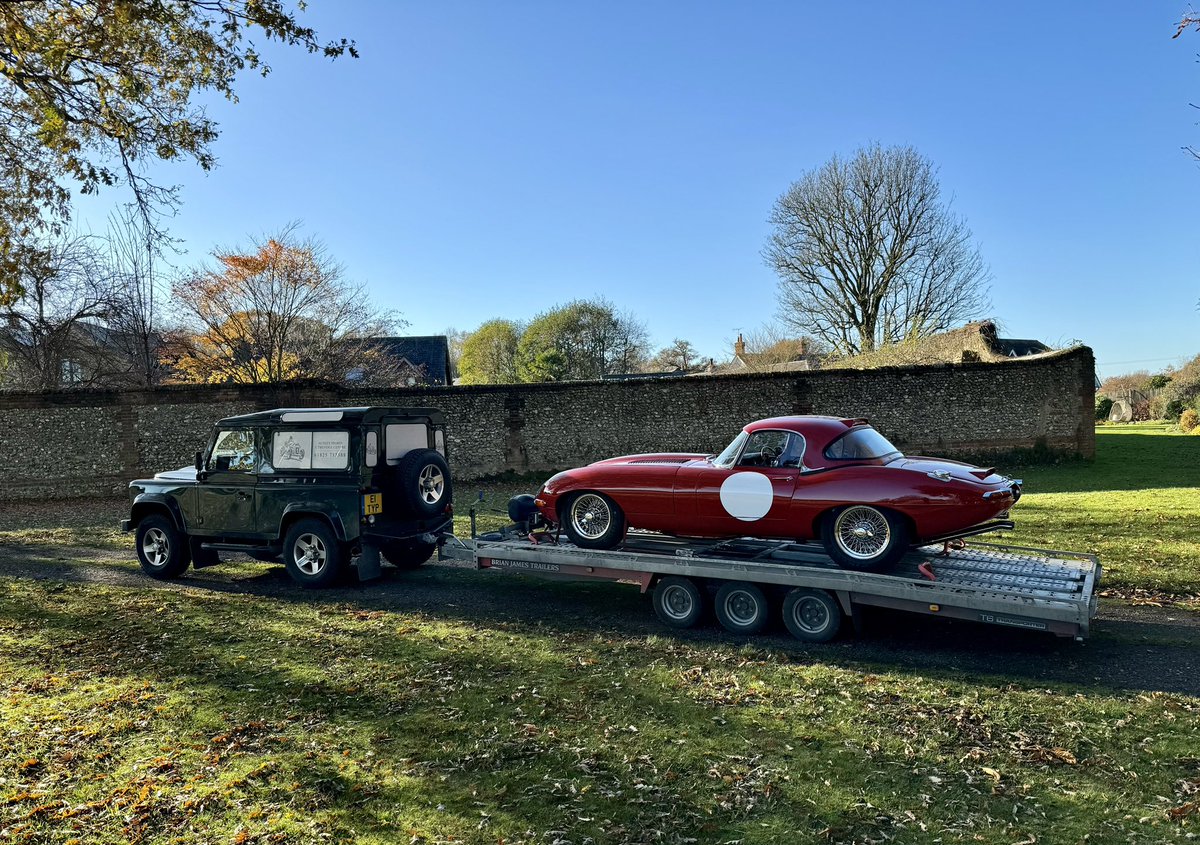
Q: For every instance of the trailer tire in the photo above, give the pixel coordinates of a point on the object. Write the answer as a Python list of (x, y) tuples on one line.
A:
[(742, 607), (678, 601), (408, 554), (813, 616)]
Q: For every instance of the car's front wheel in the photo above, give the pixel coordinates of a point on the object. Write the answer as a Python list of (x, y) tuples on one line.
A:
[(864, 537), (312, 554), (593, 521), (162, 549)]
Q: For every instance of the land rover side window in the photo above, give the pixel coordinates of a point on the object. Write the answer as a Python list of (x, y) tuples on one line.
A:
[(234, 451), (301, 450), (773, 449)]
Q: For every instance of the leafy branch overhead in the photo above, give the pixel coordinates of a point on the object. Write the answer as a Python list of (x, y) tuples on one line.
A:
[(93, 90)]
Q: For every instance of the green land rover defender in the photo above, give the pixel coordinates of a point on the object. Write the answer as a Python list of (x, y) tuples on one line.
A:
[(315, 487)]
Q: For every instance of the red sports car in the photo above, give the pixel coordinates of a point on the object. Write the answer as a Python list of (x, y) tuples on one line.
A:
[(795, 478)]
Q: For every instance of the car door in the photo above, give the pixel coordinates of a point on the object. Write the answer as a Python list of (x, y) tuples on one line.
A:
[(753, 497), (225, 490)]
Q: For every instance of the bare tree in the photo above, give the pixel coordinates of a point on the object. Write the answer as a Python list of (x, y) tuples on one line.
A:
[(766, 347), (867, 253), (678, 356), (281, 310), (134, 256), (53, 335)]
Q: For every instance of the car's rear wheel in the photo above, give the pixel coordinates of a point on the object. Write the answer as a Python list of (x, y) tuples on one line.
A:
[(162, 549), (678, 601), (593, 521), (864, 537), (407, 554), (811, 615), (312, 554)]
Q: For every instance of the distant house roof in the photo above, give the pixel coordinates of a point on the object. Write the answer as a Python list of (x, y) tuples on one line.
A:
[(1015, 348), (428, 353)]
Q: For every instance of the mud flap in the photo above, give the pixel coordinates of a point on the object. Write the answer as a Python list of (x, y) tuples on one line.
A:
[(369, 566)]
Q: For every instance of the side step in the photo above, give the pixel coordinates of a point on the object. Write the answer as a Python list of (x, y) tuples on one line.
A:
[(236, 547)]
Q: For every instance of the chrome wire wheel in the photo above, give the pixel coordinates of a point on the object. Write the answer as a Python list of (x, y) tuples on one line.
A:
[(862, 532), (741, 608), (156, 547), (810, 615), (431, 484), (310, 554), (591, 516), (677, 602)]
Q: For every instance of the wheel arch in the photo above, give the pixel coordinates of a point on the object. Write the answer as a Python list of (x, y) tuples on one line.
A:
[(327, 513), (819, 520), (145, 506)]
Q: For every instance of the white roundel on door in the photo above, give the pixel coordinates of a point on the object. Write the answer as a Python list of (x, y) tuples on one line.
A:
[(747, 495)]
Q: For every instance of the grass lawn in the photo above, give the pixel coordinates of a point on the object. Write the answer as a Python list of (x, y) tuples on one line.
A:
[(1137, 506), (199, 714)]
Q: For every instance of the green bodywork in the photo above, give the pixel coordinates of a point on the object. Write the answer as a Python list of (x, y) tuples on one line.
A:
[(255, 503)]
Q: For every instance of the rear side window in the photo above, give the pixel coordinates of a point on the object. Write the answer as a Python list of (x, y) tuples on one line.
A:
[(310, 450), (860, 444)]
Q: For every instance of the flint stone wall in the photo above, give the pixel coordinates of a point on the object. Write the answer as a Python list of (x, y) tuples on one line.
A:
[(77, 443)]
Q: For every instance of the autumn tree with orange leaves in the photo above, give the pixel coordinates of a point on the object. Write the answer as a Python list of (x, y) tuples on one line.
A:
[(279, 311)]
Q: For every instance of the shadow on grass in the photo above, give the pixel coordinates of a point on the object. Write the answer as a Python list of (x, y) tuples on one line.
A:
[(1157, 651)]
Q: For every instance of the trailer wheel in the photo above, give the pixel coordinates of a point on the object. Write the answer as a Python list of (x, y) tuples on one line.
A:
[(812, 615), (741, 608), (678, 602)]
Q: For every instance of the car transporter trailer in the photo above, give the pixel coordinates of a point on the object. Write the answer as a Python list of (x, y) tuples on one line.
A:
[(1011, 586)]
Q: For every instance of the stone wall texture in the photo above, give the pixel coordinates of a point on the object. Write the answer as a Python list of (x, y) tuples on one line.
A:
[(93, 442)]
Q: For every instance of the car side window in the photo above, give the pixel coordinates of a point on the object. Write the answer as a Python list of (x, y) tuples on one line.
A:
[(773, 449), (234, 451)]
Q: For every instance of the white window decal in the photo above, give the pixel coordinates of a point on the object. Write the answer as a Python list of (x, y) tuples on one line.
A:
[(330, 449), (311, 449), (372, 448), (292, 450)]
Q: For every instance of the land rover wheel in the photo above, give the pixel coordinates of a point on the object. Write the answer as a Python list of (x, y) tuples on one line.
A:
[(864, 537), (423, 483), (408, 554), (162, 549), (593, 521), (312, 554)]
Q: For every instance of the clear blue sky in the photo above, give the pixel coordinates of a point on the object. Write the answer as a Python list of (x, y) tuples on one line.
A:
[(493, 159)]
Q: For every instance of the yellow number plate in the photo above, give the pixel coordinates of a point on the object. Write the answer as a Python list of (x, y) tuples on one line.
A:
[(372, 504)]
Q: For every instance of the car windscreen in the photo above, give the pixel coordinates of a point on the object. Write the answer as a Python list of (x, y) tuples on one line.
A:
[(726, 458), (860, 444)]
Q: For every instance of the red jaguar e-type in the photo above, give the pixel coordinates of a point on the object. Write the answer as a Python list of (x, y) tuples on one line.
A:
[(793, 478)]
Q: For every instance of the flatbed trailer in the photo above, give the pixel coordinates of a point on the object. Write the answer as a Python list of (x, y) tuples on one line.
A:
[(745, 581)]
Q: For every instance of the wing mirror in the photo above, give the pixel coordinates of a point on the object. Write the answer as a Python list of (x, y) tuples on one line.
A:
[(199, 461)]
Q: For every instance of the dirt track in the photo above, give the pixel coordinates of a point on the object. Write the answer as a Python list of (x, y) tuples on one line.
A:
[(1145, 648)]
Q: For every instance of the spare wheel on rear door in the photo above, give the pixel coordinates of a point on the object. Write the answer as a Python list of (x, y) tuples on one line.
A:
[(422, 481)]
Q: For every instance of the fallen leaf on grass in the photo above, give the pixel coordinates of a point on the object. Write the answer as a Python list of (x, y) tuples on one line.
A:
[(1188, 809)]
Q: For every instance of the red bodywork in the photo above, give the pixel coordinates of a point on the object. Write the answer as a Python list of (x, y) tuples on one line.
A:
[(681, 493)]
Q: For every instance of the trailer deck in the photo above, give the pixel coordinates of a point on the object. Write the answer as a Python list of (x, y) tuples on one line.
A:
[(1011, 586)]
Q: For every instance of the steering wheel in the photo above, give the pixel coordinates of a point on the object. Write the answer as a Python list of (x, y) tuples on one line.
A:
[(770, 454)]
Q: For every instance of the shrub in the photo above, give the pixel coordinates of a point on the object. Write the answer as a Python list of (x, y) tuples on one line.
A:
[(1103, 406), (1141, 412), (1189, 419)]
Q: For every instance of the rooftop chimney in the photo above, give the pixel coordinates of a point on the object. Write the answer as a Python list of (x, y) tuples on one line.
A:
[(739, 346)]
